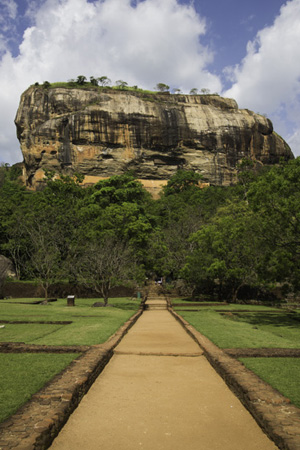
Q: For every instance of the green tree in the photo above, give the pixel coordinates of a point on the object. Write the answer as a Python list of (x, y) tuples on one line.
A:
[(228, 252), (94, 81), (119, 189), (118, 207), (104, 81), (12, 202), (162, 87), (81, 79), (275, 198), (16, 243), (169, 245), (183, 180), (121, 84)]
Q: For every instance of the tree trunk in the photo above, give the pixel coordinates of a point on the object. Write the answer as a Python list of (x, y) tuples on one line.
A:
[(46, 294), (220, 291), (235, 293), (105, 292), (1, 288)]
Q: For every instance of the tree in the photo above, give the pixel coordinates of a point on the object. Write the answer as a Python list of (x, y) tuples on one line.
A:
[(48, 229), (118, 207), (94, 81), (181, 181), (194, 91), (274, 197), (81, 79), (119, 189), (205, 91), (162, 87), (121, 84), (170, 245), (16, 245), (13, 207), (45, 261), (177, 91), (228, 252), (104, 81), (102, 265)]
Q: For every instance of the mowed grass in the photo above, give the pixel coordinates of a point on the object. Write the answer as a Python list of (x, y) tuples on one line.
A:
[(282, 374), (258, 329), (89, 325), (22, 375), (262, 327)]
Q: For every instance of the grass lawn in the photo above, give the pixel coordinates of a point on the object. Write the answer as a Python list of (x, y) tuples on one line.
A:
[(262, 327), (212, 305), (89, 325), (257, 329), (24, 374), (281, 373)]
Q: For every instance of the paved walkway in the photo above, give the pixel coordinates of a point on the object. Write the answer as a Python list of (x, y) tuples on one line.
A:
[(158, 392)]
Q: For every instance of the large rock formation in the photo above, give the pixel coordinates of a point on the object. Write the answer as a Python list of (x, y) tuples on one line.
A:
[(104, 132)]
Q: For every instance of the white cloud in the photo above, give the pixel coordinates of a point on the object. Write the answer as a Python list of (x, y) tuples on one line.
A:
[(268, 78), (8, 13), (8, 9), (146, 43), (294, 140)]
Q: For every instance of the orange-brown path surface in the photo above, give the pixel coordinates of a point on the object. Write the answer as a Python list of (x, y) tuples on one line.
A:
[(159, 392)]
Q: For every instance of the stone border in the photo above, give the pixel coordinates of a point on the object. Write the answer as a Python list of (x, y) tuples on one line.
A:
[(38, 422), (272, 411)]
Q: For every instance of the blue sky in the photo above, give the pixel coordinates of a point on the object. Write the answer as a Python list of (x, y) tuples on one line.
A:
[(232, 23), (248, 50)]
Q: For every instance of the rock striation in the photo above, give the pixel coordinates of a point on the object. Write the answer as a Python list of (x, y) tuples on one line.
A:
[(104, 132)]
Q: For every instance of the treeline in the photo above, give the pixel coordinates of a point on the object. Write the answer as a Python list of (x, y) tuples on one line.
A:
[(105, 82), (224, 243)]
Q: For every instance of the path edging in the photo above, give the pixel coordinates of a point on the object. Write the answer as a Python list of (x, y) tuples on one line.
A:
[(273, 412), (35, 425)]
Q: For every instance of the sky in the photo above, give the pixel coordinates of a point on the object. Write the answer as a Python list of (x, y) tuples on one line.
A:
[(246, 50)]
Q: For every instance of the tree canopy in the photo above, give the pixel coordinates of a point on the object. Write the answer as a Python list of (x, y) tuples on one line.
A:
[(220, 241)]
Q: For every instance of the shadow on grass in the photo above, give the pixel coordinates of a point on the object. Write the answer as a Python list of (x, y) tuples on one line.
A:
[(275, 319)]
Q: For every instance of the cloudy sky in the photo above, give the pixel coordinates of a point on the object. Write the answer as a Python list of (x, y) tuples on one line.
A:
[(247, 50)]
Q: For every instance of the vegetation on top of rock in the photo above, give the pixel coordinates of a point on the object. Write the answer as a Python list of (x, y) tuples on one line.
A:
[(105, 82), (162, 87)]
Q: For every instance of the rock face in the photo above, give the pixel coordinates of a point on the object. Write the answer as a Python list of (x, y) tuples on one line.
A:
[(104, 132)]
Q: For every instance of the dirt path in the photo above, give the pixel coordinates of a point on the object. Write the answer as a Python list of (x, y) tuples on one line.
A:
[(158, 392)]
